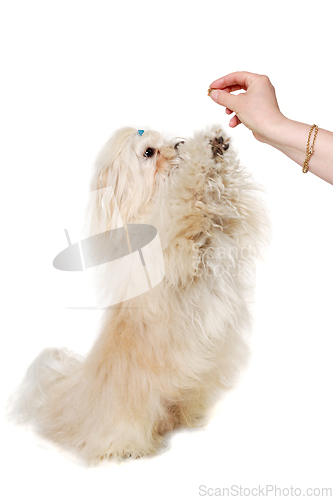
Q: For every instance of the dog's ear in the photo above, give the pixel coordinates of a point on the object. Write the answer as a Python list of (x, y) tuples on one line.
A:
[(102, 212), (112, 186)]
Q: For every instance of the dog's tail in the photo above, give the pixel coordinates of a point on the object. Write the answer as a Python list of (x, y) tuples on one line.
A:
[(44, 374)]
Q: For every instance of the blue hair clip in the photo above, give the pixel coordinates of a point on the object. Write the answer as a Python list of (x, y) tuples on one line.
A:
[(140, 132)]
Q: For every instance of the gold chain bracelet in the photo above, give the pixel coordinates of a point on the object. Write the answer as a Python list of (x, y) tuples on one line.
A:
[(310, 149)]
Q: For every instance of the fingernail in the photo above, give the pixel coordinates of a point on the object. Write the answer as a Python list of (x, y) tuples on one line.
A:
[(214, 95)]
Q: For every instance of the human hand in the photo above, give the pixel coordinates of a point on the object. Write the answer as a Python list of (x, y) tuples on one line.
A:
[(256, 108)]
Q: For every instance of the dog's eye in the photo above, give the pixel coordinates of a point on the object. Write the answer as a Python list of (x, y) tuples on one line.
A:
[(149, 152)]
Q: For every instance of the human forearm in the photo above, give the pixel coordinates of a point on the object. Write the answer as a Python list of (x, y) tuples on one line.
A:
[(290, 137)]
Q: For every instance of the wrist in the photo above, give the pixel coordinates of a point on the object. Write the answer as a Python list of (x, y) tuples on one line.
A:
[(290, 137), (276, 134)]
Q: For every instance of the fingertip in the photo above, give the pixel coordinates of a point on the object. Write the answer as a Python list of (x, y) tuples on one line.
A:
[(234, 121), (214, 94), (218, 83)]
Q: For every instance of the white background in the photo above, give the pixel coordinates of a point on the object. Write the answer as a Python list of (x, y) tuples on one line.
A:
[(72, 73)]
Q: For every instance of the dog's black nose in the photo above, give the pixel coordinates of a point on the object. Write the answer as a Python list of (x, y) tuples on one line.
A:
[(177, 145)]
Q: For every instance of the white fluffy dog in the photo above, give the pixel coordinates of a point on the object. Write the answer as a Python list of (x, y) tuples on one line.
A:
[(163, 357)]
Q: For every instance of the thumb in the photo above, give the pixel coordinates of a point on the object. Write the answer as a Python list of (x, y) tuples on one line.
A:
[(224, 98)]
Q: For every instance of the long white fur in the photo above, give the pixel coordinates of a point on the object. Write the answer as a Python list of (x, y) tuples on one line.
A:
[(162, 358)]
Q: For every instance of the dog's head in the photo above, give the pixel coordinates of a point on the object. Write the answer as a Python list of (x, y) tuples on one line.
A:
[(128, 173)]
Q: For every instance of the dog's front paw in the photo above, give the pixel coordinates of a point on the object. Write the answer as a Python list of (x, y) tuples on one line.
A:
[(219, 145)]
